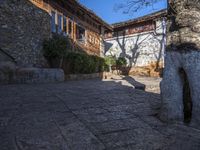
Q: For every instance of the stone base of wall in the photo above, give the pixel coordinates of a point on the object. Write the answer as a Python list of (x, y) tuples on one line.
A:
[(151, 70), (84, 76), (9, 73), (37, 75)]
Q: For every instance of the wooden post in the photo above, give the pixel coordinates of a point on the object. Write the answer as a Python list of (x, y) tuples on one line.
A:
[(86, 37), (74, 24), (67, 22)]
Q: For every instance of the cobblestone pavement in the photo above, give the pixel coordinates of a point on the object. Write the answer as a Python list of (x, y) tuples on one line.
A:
[(88, 115)]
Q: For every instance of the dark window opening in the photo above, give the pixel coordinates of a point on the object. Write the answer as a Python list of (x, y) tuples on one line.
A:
[(53, 21), (69, 27), (80, 34), (59, 23), (64, 25)]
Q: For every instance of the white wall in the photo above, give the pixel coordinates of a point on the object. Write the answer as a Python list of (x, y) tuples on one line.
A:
[(139, 49)]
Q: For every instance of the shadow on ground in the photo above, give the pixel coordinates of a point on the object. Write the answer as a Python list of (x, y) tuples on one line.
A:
[(87, 115)]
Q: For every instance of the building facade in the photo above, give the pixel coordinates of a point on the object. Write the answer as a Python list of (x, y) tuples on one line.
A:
[(141, 41), (24, 25), (72, 19)]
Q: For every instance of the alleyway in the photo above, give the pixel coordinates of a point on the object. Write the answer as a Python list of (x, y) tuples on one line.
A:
[(88, 115)]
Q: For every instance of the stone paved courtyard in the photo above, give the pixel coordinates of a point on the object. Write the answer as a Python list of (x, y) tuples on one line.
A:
[(88, 115)]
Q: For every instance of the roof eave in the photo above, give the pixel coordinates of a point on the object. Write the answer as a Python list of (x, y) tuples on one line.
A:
[(161, 13)]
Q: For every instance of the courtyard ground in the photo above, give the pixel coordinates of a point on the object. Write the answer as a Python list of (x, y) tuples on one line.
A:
[(89, 115)]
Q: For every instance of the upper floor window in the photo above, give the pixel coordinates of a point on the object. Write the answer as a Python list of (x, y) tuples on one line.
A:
[(80, 33), (69, 27), (64, 25), (59, 23), (53, 21)]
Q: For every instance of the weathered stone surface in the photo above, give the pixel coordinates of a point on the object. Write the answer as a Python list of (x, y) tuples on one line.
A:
[(87, 115), (183, 24), (7, 72), (23, 27), (172, 85), (5, 57), (37, 75), (84, 76)]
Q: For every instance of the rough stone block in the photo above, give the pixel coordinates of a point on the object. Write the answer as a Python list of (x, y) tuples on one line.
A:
[(172, 86), (37, 75)]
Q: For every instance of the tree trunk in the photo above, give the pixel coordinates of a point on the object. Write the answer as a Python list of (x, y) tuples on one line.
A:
[(179, 90)]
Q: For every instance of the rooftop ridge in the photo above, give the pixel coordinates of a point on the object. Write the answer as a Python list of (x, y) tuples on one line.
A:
[(162, 12)]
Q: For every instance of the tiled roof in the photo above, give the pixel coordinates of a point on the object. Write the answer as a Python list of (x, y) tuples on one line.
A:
[(161, 13)]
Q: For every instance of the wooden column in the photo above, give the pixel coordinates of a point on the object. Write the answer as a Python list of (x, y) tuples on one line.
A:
[(67, 21), (86, 38), (74, 31)]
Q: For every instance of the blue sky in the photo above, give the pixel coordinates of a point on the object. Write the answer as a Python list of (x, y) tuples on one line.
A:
[(105, 10)]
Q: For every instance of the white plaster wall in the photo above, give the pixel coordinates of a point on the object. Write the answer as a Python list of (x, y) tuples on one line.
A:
[(139, 49)]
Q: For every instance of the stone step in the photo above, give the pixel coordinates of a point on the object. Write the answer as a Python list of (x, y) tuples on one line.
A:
[(39, 75)]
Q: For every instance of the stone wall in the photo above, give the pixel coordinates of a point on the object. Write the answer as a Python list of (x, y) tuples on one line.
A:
[(23, 27), (4, 57), (140, 50)]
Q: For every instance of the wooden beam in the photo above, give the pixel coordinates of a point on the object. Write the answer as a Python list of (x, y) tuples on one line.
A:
[(74, 31), (67, 21)]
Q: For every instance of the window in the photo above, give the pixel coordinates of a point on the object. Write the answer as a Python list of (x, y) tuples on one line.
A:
[(141, 28), (59, 23), (64, 25), (80, 33), (53, 21)]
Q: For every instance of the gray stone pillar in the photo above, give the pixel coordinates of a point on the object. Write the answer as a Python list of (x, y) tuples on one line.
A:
[(171, 89), (172, 85)]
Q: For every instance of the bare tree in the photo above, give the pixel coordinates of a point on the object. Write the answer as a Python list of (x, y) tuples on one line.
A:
[(131, 6)]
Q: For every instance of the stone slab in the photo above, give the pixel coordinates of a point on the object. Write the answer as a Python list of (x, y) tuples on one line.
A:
[(39, 75), (41, 117)]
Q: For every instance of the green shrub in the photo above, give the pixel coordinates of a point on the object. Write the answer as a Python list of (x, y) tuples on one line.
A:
[(56, 47), (84, 64), (101, 65), (110, 60), (121, 61), (61, 52)]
